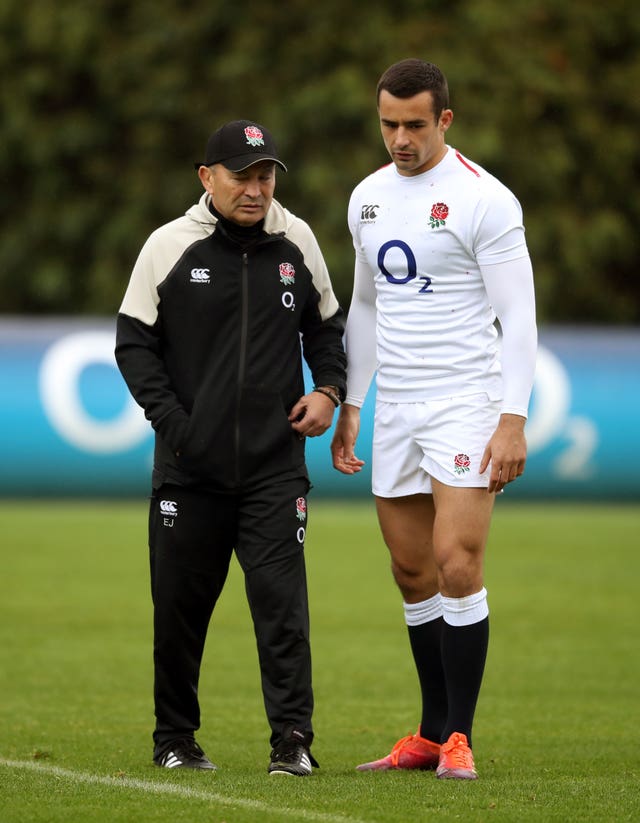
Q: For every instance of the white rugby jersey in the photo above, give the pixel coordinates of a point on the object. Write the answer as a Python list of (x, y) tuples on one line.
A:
[(427, 248)]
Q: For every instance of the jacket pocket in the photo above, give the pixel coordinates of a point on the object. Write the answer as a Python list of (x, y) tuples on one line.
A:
[(266, 442)]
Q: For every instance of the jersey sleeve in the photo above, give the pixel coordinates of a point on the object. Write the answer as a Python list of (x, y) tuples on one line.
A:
[(510, 290), (360, 335), (499, 231)]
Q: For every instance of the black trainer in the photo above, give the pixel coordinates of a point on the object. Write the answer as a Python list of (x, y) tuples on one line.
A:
[(292, 756), (183, 753)]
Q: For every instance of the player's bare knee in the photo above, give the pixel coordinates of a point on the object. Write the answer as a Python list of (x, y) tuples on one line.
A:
[(460, 573), (412, 581)]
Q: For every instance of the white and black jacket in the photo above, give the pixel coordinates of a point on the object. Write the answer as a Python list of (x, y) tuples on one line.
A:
[(209, 341)]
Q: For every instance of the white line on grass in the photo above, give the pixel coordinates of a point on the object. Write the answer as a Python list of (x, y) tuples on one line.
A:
[(173, 789)]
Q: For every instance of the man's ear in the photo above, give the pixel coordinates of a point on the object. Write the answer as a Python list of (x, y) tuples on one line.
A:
[(446, 119), (205, 173)]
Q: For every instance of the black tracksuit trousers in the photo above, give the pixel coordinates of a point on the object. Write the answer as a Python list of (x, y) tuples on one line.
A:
[(192, 534)]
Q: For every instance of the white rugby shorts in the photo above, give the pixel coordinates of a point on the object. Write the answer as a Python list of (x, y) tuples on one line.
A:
[(445, 439)]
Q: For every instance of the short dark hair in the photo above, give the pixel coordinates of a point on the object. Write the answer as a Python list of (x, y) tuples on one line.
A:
[(412, 76)]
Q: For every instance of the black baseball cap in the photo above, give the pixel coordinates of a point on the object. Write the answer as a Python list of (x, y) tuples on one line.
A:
[(239, 144)]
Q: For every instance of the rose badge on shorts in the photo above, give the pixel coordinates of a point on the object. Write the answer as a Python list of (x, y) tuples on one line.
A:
[(461, 463), (301, 508)]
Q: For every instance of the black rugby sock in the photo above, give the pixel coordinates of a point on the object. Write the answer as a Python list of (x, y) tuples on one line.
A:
[(425, 642), (464, 652)]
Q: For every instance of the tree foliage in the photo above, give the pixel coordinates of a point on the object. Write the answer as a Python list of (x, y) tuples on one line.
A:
[(107, 104)]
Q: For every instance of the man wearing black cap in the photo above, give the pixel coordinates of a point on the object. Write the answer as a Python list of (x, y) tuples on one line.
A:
[(221, 306)]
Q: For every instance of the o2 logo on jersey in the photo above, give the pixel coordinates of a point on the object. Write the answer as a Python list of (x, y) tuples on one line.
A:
[(412, 266)]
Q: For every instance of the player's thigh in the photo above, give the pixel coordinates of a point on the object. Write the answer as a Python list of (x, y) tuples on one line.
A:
[(406, 524), (461, 528)]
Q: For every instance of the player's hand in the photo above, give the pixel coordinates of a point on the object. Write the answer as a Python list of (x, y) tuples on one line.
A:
[(312, 415), (506, 452), (344, 440)]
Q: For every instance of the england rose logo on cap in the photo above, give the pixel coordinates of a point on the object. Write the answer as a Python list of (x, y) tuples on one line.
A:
[(254, 136), (239, 144)]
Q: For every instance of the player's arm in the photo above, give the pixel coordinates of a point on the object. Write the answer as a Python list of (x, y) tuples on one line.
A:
[(510, 290), (360, 345)]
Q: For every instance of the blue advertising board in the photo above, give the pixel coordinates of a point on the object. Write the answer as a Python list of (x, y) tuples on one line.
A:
[(70, 427)]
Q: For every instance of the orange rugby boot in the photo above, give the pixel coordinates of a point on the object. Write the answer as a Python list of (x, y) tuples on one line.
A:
[(412, 752), (456, 759)]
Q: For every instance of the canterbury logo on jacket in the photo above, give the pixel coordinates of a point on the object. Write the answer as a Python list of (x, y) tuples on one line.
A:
[(209, 340)]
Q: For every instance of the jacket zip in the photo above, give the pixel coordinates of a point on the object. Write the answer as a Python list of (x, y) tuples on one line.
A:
[(242, 360)]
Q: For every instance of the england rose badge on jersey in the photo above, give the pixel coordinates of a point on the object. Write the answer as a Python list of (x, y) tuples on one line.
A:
[(254, 136), (439, 214), (287, 274), (301, 508)]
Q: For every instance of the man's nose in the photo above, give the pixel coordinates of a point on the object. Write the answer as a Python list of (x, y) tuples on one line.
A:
[(252, 189), (401, 136)]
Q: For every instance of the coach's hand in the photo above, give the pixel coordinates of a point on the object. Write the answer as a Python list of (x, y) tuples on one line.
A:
[(312, 414)]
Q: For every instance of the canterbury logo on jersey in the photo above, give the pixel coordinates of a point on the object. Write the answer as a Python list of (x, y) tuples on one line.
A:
[(369, 213), (169, 507), (200, 276)]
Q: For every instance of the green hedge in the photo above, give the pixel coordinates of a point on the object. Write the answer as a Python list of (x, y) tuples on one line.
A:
[(106, 105)]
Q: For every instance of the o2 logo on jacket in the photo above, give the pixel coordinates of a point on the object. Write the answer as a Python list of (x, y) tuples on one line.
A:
[(287, 278)]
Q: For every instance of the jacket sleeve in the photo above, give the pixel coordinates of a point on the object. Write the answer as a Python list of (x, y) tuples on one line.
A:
[(138, 351), (324, 321), (324, 352)]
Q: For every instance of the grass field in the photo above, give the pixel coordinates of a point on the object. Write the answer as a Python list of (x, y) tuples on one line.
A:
[(556, 734)]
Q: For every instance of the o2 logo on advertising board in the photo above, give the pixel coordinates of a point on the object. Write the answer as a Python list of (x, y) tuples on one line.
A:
[(551, 420), (62, 370)]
